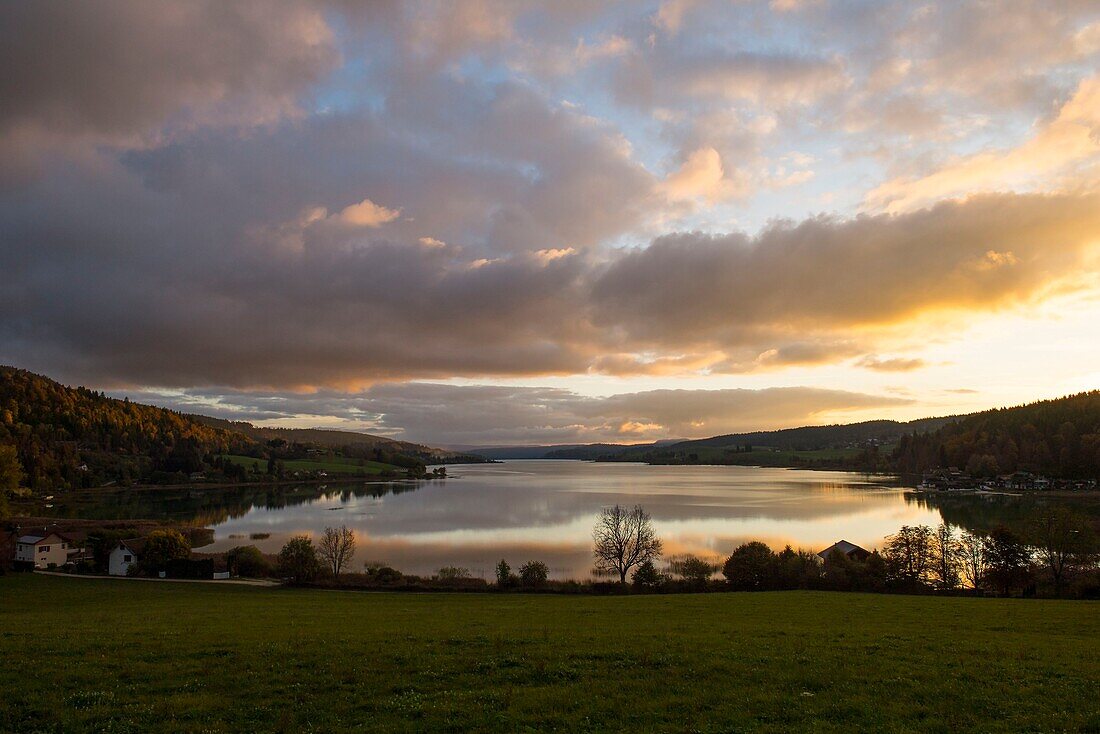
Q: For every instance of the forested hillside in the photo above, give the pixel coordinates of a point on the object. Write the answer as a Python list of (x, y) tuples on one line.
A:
[(1056, 438), (851, 446), (355, 443), (71, 438), (74, 437)]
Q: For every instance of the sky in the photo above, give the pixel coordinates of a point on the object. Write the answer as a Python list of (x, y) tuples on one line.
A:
[(517, 222)]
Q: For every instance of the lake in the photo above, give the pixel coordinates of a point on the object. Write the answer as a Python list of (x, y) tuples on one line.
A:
[(545, 510)]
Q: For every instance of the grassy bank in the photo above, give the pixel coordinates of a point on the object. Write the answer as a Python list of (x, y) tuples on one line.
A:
[(98, 655), (331, 464)]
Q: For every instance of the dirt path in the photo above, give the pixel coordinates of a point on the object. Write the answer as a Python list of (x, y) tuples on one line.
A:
[(265, 583)]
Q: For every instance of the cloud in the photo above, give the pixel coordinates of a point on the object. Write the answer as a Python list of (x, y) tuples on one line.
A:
[(484, 414), (129, 72), (701, 176), (113, 286), (1073, 137), (670, 14), (884, 272), (337, 195), (773, 80), (896, 364), (368, 214)]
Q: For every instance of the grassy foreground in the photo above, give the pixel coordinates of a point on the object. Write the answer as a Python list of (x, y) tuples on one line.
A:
[(128, 656)]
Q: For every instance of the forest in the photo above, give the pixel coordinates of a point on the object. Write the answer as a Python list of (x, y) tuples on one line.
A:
[(1057, 438), (57, 438)]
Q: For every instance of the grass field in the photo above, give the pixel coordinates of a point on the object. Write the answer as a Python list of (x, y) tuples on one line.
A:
[(129, 656), (332, 465)]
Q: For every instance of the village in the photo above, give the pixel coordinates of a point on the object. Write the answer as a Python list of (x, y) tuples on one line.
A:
[(111, 550), (953, 479)]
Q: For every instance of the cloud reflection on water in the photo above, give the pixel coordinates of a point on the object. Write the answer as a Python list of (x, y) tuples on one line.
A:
[(544, 510)]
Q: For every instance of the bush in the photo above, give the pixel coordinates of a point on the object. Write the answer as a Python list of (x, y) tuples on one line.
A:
[(533, 574), (751, 567), (693, 570), (298, 560), (797, 569), (450, 573), (248, 561), (504, 574), (190, 568), (383, 575), (646, 576), (161, 547)]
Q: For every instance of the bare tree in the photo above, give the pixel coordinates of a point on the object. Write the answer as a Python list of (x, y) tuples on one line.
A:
[(336, 548), (624, 539), (972, 559), (908, 553), (1062, 539), (946, 557)]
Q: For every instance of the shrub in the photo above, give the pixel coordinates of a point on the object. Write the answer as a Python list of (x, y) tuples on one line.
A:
[(693, 570), (161, 547), (797, 569), (533, 573), (450, 573), (751, 567), (248, 561), (298, 560), (504, 574), (646, 576), (383, 575)]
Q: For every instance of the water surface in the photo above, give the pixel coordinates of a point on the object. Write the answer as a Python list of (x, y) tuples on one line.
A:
[(544, 510)]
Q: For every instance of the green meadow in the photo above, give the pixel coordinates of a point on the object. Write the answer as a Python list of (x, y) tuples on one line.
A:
[(332, 465), (131, 656)]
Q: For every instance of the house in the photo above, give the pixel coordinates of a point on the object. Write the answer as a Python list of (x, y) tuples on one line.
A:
[(851, 551), (43, 549), (124, 555)]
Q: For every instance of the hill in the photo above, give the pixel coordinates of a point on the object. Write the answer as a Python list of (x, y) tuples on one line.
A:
[(176, 657), (72, 437), (833, 445), (1056, 438), (337, 440), (75, 437)]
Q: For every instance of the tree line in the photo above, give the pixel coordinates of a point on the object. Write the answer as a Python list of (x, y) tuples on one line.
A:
[(1058, 555), (1054, 438), (55, 438)]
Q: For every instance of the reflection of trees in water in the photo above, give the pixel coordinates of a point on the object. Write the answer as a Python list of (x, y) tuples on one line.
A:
[(211, 506), (982, 512)]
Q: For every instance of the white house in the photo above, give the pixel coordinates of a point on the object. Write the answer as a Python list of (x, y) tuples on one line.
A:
[(43, 549), (124, 555)]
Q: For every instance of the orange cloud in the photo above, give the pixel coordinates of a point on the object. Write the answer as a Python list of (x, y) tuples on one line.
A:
[(368, 214), (702, 176), (1073, 137), (896, 364)]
